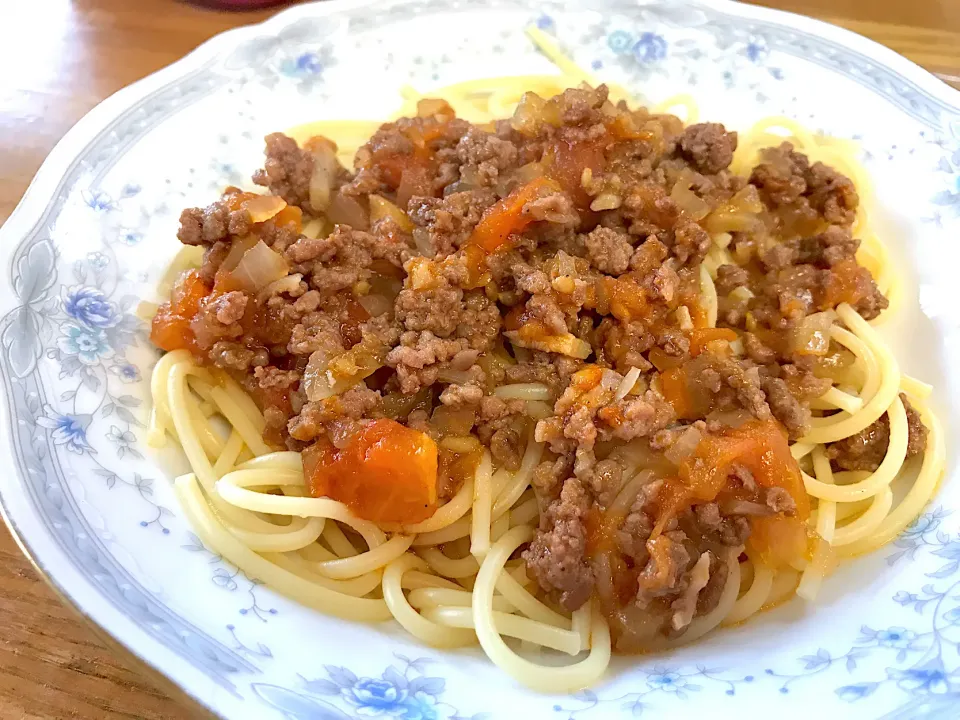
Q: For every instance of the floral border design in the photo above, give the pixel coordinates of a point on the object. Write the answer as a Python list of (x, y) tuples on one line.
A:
[(922, 662), (402, 692)]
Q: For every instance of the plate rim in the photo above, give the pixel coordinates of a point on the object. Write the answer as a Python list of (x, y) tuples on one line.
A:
[(36, 202)]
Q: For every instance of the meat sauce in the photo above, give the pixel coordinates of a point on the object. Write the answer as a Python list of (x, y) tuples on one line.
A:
[(762, 448), (481, 247)]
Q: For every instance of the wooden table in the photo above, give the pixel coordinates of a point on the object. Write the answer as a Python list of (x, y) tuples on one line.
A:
[(60, 59)]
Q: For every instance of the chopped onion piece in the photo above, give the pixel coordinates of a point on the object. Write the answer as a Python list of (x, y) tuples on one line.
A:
[(316, 228), (745, 507), (747, 200), (422, 274), (435, 107), (448, 420), (460, 444), (523, 391), (327, 375), (286, 284), (688, 202), (325, 169), (263, 207), (381, 208), (455, 377), (538, 409), (528, 116), (532, 112), (722, 240), (606, 201), (812, 335), (740, 214), (610, 379), (527, 173), (521, 176), (345, 210), (376, 305), (626, 385), (684, 446), (730, 418), (565, 344), (421, 238), (396, 405), (566, 264), (238, 248), (259, 267)]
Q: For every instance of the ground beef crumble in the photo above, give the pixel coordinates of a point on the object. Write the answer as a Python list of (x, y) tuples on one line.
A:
[(557, 555), (867, 449)]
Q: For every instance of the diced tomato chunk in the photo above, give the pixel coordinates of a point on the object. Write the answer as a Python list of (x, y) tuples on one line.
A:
[(170, 329), (761, 447), (847, 282), (628, 300), (291, 217), (566, 162), (661, 361), (171, 332), (673, 383), (701, 336), (387, 473), (506, 217)]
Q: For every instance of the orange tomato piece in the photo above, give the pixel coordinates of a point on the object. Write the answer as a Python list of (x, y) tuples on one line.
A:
[(586, 379), (170, 329), (778, 539), (506, 217), (351, 318), (259, 208), (477, 274), (291, 216), (673, 383), (628, 300), (701, 336), (171, 332), (602, 529), (697, 314), (847, 282), (661, 361), (624, 127), (566, 162), (411, 173), (761, 446), (515, 317), (386, 473), (611, 415)]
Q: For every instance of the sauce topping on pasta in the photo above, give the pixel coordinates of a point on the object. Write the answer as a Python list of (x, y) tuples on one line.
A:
[(649, 310)]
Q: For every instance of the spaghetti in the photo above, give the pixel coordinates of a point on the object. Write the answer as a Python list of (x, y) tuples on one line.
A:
[(452, 578)]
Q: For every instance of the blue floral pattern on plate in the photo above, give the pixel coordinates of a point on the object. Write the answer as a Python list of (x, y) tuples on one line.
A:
[(403, 692), (74, 365)]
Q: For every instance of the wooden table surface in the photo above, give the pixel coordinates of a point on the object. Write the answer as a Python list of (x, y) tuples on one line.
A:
[(62, 57)]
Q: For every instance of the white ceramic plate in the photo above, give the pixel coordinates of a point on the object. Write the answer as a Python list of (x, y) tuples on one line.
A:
[(97, 226)]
